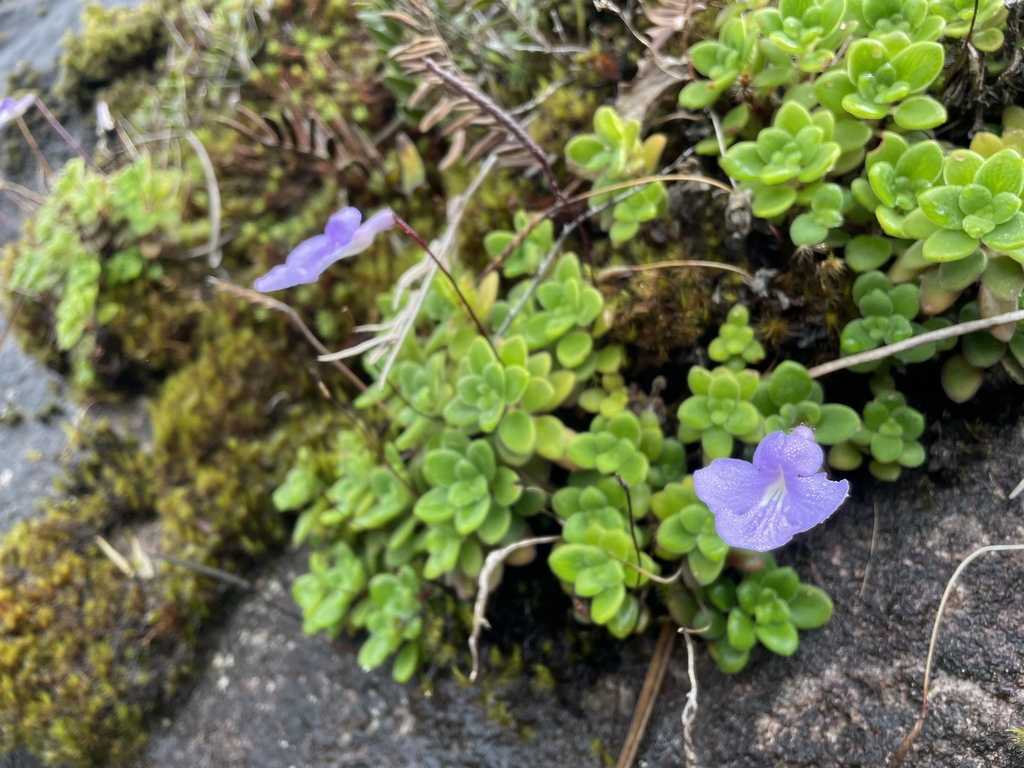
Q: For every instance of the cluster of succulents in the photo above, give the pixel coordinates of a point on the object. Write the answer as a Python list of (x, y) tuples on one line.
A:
[(528, 422), (848, 163)]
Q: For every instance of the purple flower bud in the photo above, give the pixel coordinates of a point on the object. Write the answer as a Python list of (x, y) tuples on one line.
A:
[(14, 108), (343, 237), (761, 505)]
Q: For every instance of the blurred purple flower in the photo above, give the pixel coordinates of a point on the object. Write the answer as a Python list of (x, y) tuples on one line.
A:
[(761, 505), (13, 108), (343, 237)]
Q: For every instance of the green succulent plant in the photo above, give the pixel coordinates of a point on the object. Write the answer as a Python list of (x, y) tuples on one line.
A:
[(797, 149), (735, 346), (1011, 135), (913, 18), (614, 154), (886, 76), (336, 578), (896, 172), (979, 203), (809, 30), (827, 204), (963, 374), (468, 488), (569, 306), (687, 530), (887, 314), (888, 434), (722, 61), (618, 445), (768, 606), (597, 554), (392, 614), (720, 409), (788, 397), (500, 395)]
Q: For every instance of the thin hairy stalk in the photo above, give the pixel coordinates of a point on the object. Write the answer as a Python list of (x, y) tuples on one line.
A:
[(614, 273), (30, 140), (941, 334), (213, 190), (871, 552), (455, 210), (402, 225), (629, 513), (648, 696), (908, 742), (492, 561), (963, 48), (68, 138), (255, 297)]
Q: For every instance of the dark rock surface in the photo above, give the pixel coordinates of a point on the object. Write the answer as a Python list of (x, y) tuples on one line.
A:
[(846, 698)]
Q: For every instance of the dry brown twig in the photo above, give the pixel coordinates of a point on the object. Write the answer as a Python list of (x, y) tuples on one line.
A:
[(648, 695)]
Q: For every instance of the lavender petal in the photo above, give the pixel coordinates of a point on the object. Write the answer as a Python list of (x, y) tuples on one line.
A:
[(379, 222), (13, 108), (796, 453), (342, 226)]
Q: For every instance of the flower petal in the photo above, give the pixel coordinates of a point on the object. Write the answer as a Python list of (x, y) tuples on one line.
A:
[(730, 488), (342, 226), (379, 222), (14, 108), (344, 237), (304, 265), (787, 507), (796, 453)]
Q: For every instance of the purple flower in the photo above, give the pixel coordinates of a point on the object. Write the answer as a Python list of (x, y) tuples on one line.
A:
[(761, 505), (343, 237), (13, 108)]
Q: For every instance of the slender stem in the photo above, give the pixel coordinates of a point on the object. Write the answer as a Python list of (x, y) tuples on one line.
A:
[(30, 140), (68, 138), (402, 225), (908, 742), (613, 273), (941, 334), (213, 190)]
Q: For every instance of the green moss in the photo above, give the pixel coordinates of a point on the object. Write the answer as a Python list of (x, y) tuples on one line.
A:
[(113, 42), (64, 693)]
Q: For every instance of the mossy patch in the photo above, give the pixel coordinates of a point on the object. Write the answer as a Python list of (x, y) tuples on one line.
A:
[(114, 42)]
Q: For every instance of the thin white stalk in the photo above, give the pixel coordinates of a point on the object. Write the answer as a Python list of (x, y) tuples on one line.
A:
[(493, 560), (941, 334)]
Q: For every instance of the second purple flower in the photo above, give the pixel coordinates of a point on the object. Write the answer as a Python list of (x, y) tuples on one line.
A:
[(344, 236)]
